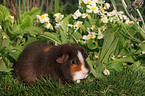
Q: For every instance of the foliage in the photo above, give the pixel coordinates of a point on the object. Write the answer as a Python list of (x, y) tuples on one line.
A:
[(111, 38)]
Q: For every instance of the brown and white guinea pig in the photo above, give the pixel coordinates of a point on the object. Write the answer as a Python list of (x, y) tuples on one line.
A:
[(64, 63)]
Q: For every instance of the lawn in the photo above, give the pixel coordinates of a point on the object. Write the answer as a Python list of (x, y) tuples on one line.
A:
[(112, 32), (124, 83)]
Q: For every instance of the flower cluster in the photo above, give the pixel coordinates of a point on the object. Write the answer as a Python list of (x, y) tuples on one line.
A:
[(97, 7), (45, 19), (59, 19)]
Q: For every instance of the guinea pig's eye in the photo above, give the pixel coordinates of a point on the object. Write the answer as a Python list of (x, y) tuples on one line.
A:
[(73, 62)]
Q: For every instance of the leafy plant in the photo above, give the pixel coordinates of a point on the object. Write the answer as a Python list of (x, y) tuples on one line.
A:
[(111, 38)]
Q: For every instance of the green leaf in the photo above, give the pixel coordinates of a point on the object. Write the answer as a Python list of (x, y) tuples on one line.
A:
[(121, 41), (33, 30), (115, 66), (5, 43), (76, 36), (3, 62), (110, 50), (34, 12), (135, 65), (92, 44), (1, 38), (30, 40), (27, 21), (16, 29), (4, 68), (64, 29), (125, 59), (142, 46), (5, 12), (15, 51), (1, 17), (99, 70), (108, 39), (52, 36), (23, 16)]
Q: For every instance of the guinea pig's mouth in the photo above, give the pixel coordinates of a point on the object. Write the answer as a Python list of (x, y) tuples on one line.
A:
[(81, 78)]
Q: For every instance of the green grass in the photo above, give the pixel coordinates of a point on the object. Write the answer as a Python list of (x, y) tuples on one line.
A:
[(124, 83)]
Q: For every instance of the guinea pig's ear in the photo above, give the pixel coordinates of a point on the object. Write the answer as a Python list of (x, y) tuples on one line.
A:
[(85, 54), (62, 59)]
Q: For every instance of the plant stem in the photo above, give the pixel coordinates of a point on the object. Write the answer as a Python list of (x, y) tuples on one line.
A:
[(140, 16), (133, 19), (28, 6), (49, 5), (18, 2), (124, 5), (41, 6), (24, 6)]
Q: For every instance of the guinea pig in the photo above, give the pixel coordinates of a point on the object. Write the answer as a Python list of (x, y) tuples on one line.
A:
[(63, 63)]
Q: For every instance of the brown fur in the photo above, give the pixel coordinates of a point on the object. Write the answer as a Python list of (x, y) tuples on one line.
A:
[(75, 68), (40, 59)]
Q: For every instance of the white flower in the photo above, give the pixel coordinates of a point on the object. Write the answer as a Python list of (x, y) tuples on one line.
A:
[(104, 19), (0, 27), (11, 18), (84, 15), (92, 8), (58, 17), (70, 25), (77, 14), (100, 1), (111, 13), (43, 18), (93, 26), (58, 24), (143, 52), (106, 72), (91, 35), (127, 21), (100, 35), (87, 1), (49, 26), (120, 12), (106, 6), (77, 25)]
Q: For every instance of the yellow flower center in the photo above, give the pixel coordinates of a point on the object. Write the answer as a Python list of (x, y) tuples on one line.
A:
[(130, 23), (99, 34), (42, 17), (93, 26), (78, 25), (88, 1), (93, 8), (90, 36), (102, 9), (103, 27)]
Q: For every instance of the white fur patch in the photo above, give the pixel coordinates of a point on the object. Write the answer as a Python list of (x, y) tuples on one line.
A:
[(83, 73)]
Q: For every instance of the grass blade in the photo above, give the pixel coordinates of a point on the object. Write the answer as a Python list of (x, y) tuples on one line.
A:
[(56, 8), (49, 6), (41, 8), (24, 6)]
